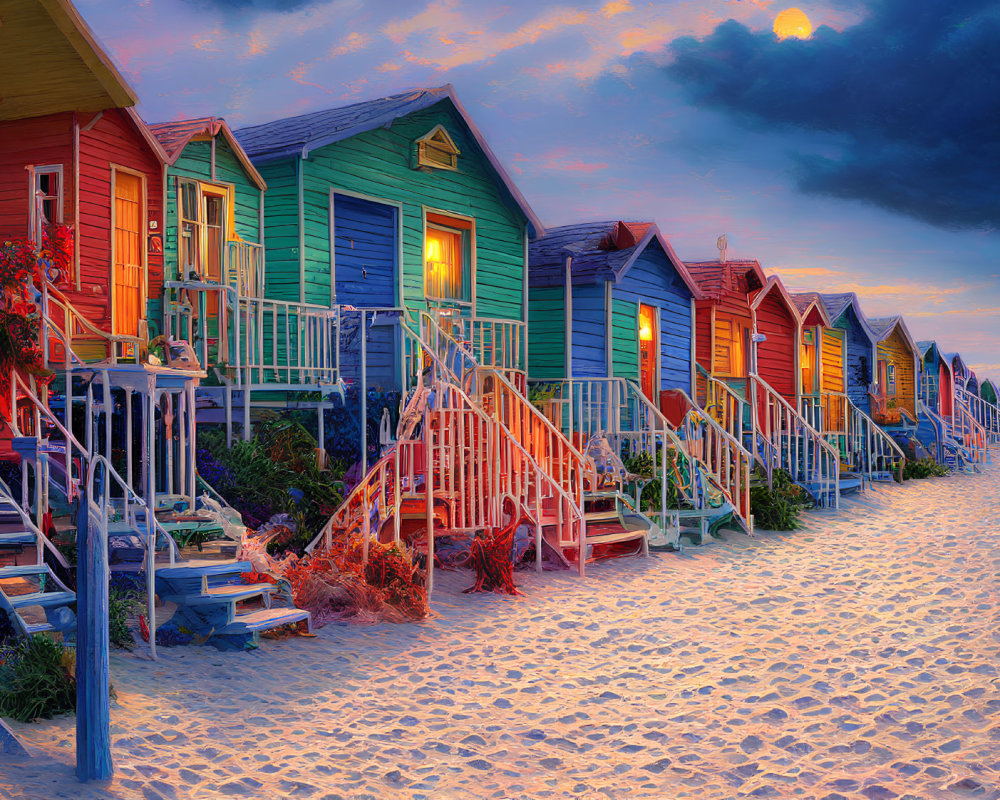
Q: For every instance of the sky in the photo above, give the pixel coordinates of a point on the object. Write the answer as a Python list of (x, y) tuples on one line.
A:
[(863, 158)]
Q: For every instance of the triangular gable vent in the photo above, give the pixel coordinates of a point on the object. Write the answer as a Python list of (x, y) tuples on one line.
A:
[(436, 149)]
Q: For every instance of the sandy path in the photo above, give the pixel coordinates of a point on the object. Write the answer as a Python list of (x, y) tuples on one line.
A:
[(855, 658)]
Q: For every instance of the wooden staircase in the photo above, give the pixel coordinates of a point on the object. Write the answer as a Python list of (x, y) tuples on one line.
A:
[(215, 603)]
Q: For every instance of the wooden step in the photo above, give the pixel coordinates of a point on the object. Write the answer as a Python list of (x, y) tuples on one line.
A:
[(43, 599), (264, 619), (21, 572), (605, 533), (230, 593)]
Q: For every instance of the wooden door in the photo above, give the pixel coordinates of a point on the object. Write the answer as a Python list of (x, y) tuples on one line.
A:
[(129, 228), (648, 347)]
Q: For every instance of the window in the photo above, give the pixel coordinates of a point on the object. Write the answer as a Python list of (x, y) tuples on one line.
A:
[(436, 149), (447, 259), (891, 379), (732, 342), (47, 198), (203, 225)]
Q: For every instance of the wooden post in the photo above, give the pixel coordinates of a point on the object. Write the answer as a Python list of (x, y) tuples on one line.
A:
[(93, 714), (364, 395)]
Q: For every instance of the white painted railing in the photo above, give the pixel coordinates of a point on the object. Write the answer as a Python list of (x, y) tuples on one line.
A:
[(451, 449), (495, 343), (64, 328), (968, 431), (983, 411), (492, 390), (863, 445), (258, 342), (245, 268), (795, 446)]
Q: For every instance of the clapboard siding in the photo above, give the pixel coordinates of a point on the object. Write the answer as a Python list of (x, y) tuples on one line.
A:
[(895, 350), (590, 359), (377, 164), (776, 355), (32, 142), (624, 339), (547, 333), (858, 364), (832, 358)]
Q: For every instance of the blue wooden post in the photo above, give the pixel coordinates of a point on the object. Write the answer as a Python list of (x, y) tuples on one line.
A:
[(93, 712)]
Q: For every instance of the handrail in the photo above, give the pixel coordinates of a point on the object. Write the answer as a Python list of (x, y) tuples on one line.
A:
[(983, 411), (153, 528), (52, 296), (6, 493), (782, 424), (500, 449), (970, 433), (72, 441)]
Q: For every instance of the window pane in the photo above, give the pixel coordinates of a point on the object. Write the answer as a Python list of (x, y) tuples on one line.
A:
[(444, 269)]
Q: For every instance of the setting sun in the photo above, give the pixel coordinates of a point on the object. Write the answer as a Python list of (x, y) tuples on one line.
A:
[(792, 22)]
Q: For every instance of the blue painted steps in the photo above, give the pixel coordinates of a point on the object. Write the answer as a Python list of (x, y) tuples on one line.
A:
[(209, 597), (36, 586)]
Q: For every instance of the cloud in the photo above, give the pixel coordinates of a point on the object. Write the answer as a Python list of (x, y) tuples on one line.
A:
[(249, 6), (912, 93), (795, 272)]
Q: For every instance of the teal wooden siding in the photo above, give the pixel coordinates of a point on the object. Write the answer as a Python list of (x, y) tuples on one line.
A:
[(378, 164), (624, 339), (546, 334), (281, 231)]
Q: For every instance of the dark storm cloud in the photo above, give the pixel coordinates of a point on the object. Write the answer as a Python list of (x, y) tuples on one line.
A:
[(914, 89)]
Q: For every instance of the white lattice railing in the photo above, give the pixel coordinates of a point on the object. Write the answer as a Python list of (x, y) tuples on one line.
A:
[(968, 431), (451, 449), (862, 444), (259, 343), (795, 446), (984, 412), (64, 330), (245, 268)]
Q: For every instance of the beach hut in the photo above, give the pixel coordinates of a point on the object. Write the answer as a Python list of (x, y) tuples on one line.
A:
[(937, 397), (988, 391), (735, 359), (897, 360), (972, 397), (396, 213), (215, 274), (610, 322)]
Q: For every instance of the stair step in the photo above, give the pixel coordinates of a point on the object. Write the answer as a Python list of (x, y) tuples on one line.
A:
[(43, 599), (21, 572), (190, 569), (24, 537), (231, 593), (606, 533), (263, 619)]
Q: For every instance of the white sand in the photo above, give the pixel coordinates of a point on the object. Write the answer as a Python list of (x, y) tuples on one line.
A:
[(855, 658)]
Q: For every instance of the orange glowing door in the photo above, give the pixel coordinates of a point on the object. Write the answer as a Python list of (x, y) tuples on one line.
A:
[(647, 352), (128, 254)]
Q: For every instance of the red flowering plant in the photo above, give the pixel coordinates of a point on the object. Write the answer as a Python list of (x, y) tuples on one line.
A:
[(20, 320)]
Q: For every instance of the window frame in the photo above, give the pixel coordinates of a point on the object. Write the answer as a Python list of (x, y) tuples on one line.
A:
[(465, 227), (35, 214), (203, 190), (451, 149)]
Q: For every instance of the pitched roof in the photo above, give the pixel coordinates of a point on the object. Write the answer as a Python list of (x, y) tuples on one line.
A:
[(599, 250), (297, 136), (837, 304), (774, 284), (804, 301), (52, 62), (884, 326), (174, 137), (714, 277)]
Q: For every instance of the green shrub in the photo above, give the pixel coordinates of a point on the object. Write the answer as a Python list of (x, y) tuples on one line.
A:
[(643, 464), (37, 679), (923, 468), (124, 595), (777, 508)]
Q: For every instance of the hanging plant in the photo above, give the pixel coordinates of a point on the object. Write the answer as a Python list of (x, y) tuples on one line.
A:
[(55, 256), (20, 320)]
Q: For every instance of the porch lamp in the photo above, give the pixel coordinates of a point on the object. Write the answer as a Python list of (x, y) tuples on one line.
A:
[(646, 332)]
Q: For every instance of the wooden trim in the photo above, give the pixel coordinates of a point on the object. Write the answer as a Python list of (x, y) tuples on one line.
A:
[(568, 319), (212, 159), (711, 342), (428, 211), (76, 201), (609, 364), (300, 189), (692, 369), (143, 242)]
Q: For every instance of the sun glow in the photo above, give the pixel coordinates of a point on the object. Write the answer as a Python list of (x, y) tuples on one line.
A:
[(792, 22)]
